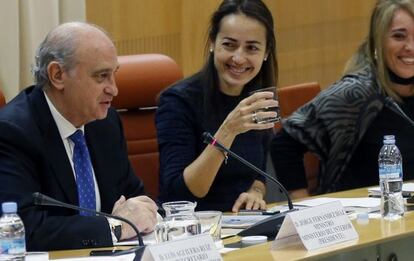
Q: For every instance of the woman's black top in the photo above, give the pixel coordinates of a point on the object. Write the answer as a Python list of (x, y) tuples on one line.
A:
[(363, 168), (180, 122)]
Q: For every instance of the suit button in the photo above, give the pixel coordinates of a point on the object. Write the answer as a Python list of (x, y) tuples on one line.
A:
[(89, 242)]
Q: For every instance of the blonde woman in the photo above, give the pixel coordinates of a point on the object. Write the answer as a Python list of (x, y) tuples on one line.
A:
[(346, 123)]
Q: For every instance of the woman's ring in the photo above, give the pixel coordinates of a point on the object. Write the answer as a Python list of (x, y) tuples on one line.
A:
[(254, 117)]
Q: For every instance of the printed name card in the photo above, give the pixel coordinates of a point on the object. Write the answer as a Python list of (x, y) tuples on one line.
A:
[(316, 227), (198, 248)]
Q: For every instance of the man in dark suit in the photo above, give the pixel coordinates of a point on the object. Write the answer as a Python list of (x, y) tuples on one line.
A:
[(74, 73)]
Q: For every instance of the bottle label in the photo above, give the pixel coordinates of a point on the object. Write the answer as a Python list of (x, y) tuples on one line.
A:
[(13, 246), (390, 171)]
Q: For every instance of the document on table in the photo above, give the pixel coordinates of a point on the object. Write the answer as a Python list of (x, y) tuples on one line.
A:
[(366, 204), (407, 189), (241, 221), (350, 204), (127, 257)]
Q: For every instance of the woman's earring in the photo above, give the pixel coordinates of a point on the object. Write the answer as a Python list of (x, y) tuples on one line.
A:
[(265, 59), (211, 49), (375, 54)]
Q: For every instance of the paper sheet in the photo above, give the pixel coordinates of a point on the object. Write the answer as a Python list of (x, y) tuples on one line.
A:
[(241, 221), (128, 257), (367, 204), (407, 187)]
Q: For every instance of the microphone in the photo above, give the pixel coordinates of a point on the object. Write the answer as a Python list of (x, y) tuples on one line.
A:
[(393, 105), (43, 200), (269, 226)]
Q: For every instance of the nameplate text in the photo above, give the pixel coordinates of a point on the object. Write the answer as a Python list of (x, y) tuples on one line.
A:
[(316, 227), (194, 248)]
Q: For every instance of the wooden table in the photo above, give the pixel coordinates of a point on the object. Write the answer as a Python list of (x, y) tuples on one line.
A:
[(377, 239)]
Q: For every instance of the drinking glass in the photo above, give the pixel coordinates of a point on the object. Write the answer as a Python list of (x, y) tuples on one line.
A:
[(178, 207), (259, 119), (179, 222), (177, 227), (210, 222)]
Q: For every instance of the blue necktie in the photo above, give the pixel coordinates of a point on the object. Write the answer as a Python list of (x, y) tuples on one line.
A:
[(83, 171)]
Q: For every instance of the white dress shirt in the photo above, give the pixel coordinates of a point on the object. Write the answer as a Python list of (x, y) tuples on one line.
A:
[(65, 130)]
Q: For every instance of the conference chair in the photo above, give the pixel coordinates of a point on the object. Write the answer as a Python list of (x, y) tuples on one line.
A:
[(2, 99), (291, 98), (140, 79)]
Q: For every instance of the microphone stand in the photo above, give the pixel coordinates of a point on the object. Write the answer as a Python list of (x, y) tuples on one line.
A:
[(394, 106), (271, 225), (43, 200)]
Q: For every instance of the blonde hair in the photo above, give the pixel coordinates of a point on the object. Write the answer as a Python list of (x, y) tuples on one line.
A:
[(371, 51)]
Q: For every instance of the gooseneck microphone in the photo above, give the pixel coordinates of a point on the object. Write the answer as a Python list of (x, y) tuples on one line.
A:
[(43, 200), (209, 139), (393, 105), (271, 225)]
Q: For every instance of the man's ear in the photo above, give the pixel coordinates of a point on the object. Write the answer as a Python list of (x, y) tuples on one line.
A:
[(55, 74)]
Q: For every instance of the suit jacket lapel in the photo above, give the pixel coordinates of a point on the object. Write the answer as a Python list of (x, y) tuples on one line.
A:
[(53, 145)]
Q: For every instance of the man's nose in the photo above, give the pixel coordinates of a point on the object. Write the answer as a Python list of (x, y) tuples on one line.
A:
[(112, 89)]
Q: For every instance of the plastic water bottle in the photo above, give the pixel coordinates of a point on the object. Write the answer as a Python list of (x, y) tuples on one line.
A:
[(12, 234), (391, 179)]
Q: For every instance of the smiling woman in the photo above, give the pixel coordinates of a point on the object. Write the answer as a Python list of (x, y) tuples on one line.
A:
[(399, 52), (345, 124), (241, 59), (240, 48)]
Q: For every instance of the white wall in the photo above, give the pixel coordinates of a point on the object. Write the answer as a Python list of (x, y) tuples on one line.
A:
[(23, 25)]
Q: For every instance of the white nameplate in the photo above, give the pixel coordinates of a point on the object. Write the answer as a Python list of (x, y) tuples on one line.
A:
[(316, 227), (199, 247)]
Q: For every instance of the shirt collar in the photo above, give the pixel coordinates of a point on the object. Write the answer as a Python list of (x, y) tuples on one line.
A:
[(64, 126)]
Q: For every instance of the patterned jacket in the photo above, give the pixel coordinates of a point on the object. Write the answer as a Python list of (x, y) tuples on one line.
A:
[(333, 123)]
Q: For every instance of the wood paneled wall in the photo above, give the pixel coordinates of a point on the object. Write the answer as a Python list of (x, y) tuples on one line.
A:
[(314, 37)]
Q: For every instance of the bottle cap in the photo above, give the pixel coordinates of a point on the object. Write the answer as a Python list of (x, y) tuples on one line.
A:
[(9, 207), (253, 240), (389, 139)]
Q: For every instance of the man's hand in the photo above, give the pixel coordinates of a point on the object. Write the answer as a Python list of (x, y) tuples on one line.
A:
[(141, 211)]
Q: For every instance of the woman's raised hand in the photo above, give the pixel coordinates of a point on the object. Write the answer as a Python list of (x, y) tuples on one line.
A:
[(247, 113)]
